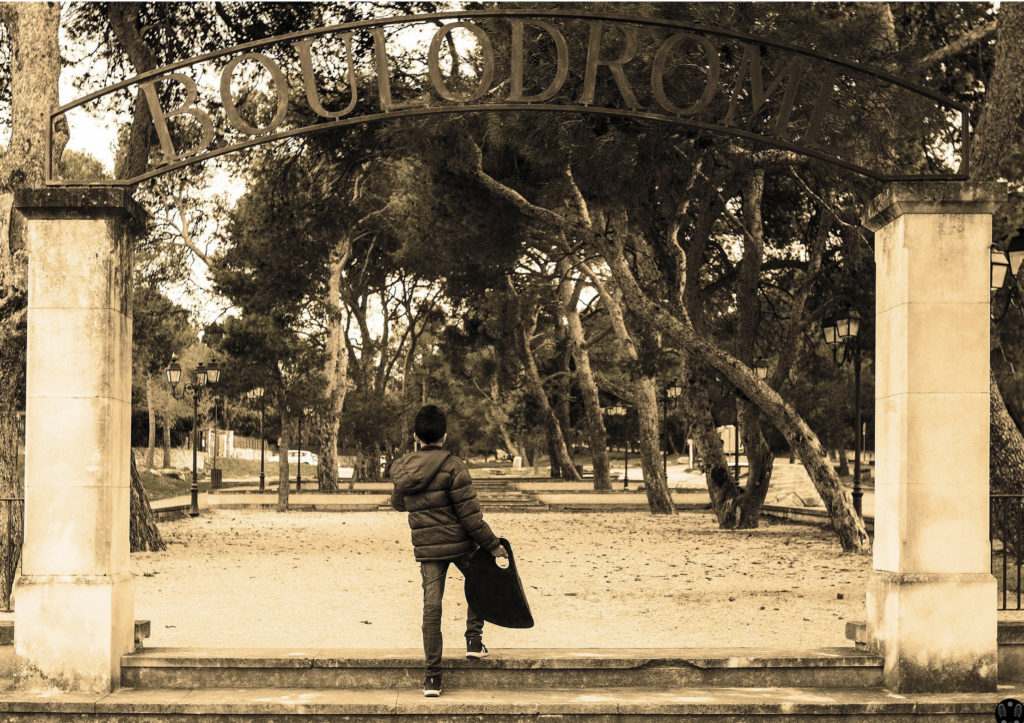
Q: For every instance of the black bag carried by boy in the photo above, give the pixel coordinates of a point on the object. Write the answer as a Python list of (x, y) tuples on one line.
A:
[(495, 593)]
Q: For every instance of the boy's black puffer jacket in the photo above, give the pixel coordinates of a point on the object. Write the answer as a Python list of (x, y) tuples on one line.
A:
[(435, 488)]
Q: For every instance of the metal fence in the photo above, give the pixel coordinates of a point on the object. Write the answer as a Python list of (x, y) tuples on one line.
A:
[(1006, 541)]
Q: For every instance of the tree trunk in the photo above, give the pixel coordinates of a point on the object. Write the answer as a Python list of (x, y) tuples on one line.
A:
[(335, 371), (585, 377), (760, 463), (646, 401), (327, 453), (144, 534), (151, 414), (564, 392), (555, 468), (284, 443), (34, 52), (506, 440), (722, 488), (1005, 461), (167, 442), (844, 464), (1005, 465), (759, 457), (998, 130), (523, 331), (367, 464)]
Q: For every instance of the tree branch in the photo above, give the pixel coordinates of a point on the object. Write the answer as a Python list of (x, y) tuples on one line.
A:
[(980, 34)]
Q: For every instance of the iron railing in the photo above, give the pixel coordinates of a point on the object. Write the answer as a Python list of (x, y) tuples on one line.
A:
[(12, 523), (1006, 541)]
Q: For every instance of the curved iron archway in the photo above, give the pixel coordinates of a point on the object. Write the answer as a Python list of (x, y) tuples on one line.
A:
[(814, 105)]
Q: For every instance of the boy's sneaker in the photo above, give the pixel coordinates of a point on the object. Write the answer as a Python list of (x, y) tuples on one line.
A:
[(432, 686), (475, 648)]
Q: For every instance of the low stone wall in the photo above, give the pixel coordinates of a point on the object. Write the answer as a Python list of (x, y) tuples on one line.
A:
[(181, 458)]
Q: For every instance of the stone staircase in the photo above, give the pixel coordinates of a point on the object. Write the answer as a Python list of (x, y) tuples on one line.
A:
[(602, 684), (497, 495), (199, 684)]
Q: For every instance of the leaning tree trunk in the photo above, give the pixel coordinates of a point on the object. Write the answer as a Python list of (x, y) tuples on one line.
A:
[(143, 533), (1005, 460), (568, 299), (645, 399), (507, 442), (536, 386), (1005, 464), (595, 422), (284, 443)]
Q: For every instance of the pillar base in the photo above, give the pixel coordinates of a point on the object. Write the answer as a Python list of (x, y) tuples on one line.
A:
[(935, 631), (71, 631)]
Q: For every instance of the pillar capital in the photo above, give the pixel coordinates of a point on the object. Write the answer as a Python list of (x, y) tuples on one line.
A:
[(113, 202), (906, 197)]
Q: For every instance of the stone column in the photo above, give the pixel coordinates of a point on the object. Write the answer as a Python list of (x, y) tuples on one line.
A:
[(74, 614), (931, 602)]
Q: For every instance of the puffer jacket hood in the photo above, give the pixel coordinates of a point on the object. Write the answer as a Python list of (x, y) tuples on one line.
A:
[(413, 472)]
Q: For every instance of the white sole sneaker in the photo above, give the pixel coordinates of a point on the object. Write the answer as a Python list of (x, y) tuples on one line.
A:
[(431, 694)]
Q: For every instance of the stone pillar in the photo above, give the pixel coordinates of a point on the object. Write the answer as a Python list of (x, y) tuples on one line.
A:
[(931, 602), (74, 612)]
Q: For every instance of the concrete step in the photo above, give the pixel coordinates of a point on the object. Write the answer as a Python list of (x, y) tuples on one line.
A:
[(521, 669), (721, 705)]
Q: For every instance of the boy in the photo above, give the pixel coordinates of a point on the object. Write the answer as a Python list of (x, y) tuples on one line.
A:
[(435, 488)]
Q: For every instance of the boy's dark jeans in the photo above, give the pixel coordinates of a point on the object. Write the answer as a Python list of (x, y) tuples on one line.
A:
[(434, 574)]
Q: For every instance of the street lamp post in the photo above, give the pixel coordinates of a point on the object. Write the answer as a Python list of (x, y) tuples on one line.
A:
[(202, 376), (257, 394), (672, 392), (214, 477), (298, 463), (841, 336), (298, 459)]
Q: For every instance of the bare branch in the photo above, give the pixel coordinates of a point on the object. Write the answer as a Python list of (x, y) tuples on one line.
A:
[(980, 34), (183, 231)]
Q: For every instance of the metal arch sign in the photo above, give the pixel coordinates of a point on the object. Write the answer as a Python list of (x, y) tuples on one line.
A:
[(705, 78)]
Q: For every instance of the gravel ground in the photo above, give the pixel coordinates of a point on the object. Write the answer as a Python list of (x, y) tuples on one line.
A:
[(348, 580)]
